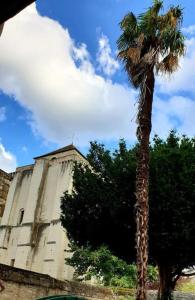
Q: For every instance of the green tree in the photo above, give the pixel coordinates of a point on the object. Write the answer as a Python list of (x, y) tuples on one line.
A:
[(149, 43), (100, 211), (172, 225), (105, 267)]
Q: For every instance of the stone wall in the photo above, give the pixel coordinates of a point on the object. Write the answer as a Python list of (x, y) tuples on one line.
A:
[(22, 284), (5, 180)]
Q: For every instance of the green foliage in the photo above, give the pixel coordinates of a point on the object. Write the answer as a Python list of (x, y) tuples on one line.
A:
[(187, 287), (172, 186), (105, 267), (151, 41), (101, 211), (152, 273)]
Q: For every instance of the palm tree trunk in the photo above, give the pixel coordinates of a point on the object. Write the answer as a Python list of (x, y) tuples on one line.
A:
[(142, 181)]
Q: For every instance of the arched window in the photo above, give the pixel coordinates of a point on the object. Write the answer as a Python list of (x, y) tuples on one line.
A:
[(21, 215)]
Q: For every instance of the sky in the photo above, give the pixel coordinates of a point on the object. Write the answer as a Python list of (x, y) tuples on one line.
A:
[(61, 82)]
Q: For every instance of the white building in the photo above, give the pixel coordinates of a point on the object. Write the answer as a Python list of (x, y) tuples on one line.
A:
[(31, 236)]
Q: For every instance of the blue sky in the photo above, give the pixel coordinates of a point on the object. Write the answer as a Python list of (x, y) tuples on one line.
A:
[(60, 80)]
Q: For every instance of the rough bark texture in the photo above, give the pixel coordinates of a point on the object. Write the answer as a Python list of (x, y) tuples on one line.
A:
[(167, 284), (142, 180)]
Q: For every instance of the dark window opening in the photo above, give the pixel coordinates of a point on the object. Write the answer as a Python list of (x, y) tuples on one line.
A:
[(12, 262), (21, 215)]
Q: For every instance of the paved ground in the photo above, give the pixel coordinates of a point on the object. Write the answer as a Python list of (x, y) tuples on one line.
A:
[(177, 296)]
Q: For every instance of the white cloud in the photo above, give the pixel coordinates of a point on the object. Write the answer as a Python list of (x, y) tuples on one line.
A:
[(43, 69), (178, 111), (2, 114), (189, 30), (7, 160), (107, 63), (183, 79), (175, 113)]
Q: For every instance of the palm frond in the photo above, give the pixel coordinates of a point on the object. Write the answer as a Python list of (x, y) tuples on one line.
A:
[(172, 18), (177, 13), (148, 20), (130, 32), (178, 43), (148, 38), (129, 21), (172, 40), (169, 64), (134, 54), (136, 73), (157, 6)]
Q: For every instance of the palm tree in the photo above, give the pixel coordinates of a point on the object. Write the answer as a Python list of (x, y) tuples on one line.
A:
[(149, 44)]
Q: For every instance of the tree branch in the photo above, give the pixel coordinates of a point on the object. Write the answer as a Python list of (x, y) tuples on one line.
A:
[(188, 275)]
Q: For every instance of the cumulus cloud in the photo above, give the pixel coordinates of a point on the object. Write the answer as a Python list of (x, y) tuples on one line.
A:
[(2, 114), (54, 79), (7, 160), (107, 63), (56, 82), (177, 112), (184, 79), (189, 30)]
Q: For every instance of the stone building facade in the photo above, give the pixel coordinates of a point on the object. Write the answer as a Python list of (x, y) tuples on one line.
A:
[(31, 236), (5, 180)]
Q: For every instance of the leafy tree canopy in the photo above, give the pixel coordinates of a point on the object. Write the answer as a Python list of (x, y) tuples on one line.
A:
[(105, 267), (100, 211), (101, 208)]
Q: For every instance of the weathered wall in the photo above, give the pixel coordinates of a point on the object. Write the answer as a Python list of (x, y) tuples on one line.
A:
[(11, 230), (36, 241), (5, 180), (22, 284)]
